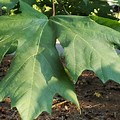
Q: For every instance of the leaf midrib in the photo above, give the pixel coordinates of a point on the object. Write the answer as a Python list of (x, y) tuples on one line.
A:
[(37, 51)]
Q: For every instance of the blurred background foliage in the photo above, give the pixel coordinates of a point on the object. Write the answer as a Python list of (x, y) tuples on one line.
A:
[(102, 8)]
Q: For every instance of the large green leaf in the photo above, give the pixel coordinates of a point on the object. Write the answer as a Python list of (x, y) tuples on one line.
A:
[(36, 73), (88, 45)]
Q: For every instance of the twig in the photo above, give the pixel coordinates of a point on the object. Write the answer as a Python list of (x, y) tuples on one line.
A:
[(91, 106), (66, 10), (59, 104)]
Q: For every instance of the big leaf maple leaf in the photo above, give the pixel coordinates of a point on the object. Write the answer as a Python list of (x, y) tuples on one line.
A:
[(36, 73), (88, 45)]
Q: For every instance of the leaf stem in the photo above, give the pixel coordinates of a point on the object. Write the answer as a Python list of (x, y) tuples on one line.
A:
[(53, 7)]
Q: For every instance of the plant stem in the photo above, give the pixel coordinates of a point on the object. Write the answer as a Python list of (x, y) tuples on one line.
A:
[(53, 7)]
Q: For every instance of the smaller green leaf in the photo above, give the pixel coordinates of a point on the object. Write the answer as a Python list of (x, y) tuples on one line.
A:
[(11, 3), (114, 24), (8, 3)]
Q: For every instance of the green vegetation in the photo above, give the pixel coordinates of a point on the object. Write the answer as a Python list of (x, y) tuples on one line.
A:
[(88, 32)]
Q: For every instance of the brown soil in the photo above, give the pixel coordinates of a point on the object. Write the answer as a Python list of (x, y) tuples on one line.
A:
[(98, 101)]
